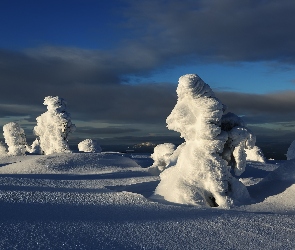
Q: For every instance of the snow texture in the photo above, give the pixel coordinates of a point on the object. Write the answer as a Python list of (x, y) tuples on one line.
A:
[(291, 151), (99, 201), (15, 138), (255, 154), (54, 126), (214, 143), (89, 145)]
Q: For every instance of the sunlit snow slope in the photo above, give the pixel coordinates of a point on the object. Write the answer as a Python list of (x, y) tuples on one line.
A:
[(101, 201)]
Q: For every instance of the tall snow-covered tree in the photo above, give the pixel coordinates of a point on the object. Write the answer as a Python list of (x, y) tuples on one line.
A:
[(15, 138), (214, 144), (54, 126)]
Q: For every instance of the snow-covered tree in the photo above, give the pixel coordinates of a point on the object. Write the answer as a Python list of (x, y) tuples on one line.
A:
[(213, 145), (239, 139), (89, 145), (3, 149), (54, 126), (291, 151), (15, 138), (35, 148), (162, 157)]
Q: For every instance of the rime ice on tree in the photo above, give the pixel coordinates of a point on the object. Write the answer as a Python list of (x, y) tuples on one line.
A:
[(162, 157), (54, 126), (89, 145), (3, 150), (15, 138), (213, 145)]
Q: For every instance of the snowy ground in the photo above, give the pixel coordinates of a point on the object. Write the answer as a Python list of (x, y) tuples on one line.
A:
[(101, 201)]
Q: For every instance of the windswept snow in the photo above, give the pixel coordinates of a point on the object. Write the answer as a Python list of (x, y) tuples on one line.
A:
[(102, 201)]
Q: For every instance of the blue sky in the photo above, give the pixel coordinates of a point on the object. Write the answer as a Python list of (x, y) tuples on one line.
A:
[(117, 62)]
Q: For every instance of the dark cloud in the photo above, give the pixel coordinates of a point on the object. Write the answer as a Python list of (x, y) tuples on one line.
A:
[(261, 108), (224, 30), (89, 84), (110, 130)]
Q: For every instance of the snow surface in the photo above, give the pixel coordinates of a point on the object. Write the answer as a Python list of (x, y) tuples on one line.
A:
[(102, 201)]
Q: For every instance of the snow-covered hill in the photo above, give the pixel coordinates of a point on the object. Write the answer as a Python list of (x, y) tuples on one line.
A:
[(102, 201)]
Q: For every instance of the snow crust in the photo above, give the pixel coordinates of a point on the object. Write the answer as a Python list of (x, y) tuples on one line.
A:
[(89, 145), (54, 126), (199, 171)]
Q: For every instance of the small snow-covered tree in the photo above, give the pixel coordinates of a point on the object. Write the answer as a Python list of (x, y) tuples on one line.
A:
[(213, 145), (89, 145), (162, 157), (3, 149), (15, 138), (54, 126), (36, 148), (291, 151)]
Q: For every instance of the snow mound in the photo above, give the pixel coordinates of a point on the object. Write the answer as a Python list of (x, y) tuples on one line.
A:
[(286, 172), (275, 192), (291, 151), (75, 163)]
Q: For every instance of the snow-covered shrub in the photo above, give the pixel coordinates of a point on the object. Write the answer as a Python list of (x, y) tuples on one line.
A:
[(255, 154), (54, 126), (35, 148), (3, 149), (161, 156), (15, 138), (291, 151), (213, 144), (89, 145)]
